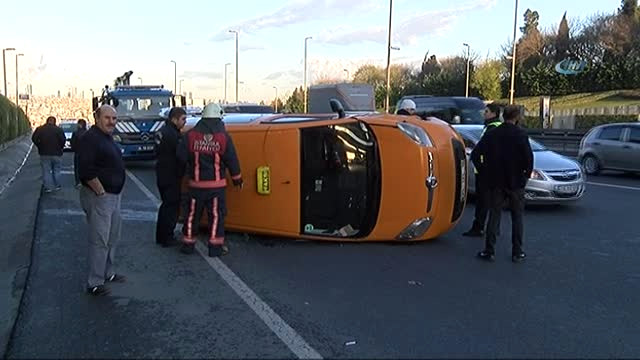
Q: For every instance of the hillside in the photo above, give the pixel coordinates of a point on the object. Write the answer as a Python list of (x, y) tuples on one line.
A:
[(584, 100)]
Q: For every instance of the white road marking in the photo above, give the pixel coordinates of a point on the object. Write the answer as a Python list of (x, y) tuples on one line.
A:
[(286, 333), (13, 177), (126, 214), (66, 172), (615, 186)]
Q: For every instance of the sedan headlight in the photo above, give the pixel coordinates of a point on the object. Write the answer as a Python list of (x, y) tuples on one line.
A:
[(117, 138), (536, 175), (415, 133)]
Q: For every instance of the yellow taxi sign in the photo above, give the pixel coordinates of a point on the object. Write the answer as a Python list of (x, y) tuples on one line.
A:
[(264, 180)]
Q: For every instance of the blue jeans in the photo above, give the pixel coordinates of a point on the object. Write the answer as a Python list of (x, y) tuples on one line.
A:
[(51, 171)]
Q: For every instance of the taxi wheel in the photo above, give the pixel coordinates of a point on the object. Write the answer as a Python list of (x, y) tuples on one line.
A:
[(591, 165)]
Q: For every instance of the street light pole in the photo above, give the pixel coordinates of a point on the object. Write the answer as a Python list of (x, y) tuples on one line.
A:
[(305, 72), (4, 69), (17, 78), (225, 81), (466, 92), (175, 77), (386, 102), (275, 87), (513, 56), (236, 32), (181, 80), (347, 71), (139, 78)]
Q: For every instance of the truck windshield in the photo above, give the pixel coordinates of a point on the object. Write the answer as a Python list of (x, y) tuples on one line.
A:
[(142, 106)]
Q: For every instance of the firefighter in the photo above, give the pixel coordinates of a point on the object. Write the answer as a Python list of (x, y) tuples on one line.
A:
[(492, 120), (208, 151), (169, 172)]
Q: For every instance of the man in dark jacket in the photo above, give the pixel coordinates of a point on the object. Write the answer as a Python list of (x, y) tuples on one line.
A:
[(483, 195), (169, 172), (208, 151), (50, 139), (75, 138), (102, 173), (507, 164)]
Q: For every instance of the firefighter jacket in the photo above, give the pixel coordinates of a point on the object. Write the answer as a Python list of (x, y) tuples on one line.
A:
[(208, 151)]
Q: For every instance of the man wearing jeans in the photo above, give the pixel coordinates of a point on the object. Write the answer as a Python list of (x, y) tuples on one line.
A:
[(49, 139), (102, 174)]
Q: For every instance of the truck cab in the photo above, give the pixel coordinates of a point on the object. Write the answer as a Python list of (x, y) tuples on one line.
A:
[(139, 110)]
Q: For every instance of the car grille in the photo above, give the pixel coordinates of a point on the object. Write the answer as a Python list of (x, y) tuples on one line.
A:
[(566, 175), (128, 139)]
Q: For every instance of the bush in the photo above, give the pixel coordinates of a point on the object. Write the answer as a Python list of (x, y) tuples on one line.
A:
[(13, 121), (583, 122)]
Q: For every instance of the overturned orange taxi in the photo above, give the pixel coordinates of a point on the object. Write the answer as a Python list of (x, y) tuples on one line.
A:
[(349, 178)]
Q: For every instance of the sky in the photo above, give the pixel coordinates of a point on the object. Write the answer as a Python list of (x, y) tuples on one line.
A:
[(86, 45)]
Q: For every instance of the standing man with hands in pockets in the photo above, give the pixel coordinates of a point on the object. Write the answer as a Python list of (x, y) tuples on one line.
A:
[(507, 165), (102, 174)]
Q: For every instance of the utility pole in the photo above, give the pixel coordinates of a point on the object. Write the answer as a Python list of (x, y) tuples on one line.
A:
[(386, 102), (275, 87), (175, 77)]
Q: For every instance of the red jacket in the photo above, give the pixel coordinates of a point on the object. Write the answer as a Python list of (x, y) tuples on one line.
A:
[(208, 151)]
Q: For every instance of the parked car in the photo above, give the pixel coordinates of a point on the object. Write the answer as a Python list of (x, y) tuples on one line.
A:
[(335, 177), (611, 147), (555, 178), (247, 109), (452, 109), (68, 126)]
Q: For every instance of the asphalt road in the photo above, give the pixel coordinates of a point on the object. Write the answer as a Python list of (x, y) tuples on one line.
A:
[(575, 296)]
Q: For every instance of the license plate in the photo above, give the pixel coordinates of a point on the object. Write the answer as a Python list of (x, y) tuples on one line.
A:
[(145, 148), (567, 189)]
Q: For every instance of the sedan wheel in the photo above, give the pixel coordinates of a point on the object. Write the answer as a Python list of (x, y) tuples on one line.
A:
[(591, 165)]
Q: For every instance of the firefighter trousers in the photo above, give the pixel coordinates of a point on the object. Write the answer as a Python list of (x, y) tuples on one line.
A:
[(213, 200)]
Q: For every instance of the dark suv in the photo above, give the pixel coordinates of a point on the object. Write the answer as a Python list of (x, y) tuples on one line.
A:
[(452, 109)]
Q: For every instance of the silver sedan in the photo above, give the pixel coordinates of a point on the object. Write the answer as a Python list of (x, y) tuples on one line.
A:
[(555, 178)]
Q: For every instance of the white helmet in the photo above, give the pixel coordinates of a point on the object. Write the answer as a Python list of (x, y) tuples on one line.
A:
[(212, 111), (408, 104)]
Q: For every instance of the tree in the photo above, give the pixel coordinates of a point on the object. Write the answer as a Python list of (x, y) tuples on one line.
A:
[(562, 39), (629, 8), (295, 102), (486, 80)]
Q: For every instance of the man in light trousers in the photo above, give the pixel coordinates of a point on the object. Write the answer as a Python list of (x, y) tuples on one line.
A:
[(102, 174)]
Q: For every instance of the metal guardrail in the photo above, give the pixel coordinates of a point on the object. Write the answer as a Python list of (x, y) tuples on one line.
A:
[(566, 142)]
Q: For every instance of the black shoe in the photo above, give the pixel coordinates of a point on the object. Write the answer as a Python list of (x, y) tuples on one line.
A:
[(218, 250), (474, 233), (187, 249), (99, 290), (487, 256), (518, 258)]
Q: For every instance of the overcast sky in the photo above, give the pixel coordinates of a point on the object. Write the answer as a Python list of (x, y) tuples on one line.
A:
[(87, 44)]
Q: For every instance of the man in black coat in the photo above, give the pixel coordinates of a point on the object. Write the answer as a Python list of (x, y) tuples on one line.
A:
[(507, 163), (169, 172), (49, 139)]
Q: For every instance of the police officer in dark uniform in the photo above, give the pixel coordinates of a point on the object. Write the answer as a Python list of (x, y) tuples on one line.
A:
[(169, 172), (492, 121)]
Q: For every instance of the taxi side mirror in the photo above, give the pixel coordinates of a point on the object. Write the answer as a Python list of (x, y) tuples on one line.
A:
[(337, 107)]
